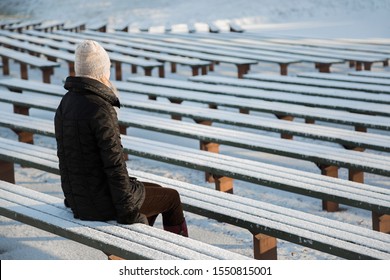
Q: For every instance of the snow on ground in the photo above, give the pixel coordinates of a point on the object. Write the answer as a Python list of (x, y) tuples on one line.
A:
[(333, 18)]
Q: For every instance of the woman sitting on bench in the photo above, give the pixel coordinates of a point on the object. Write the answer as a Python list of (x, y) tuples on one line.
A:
[(93, 170)]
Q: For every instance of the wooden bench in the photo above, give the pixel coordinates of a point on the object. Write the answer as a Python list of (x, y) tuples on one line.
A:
[(100, 26), (50, 26), (74, 26), (234, 27), (359, 121), (213, 54), (107, 43), (4, 24), (313, 80), (213, 28), (243, 65), (380, 75), (340, 47), (24, 25), (294, 45), (224, 168), (33, 49), (265, 221), (217, 95), (237, 50), (135, 241), (350, 79), (329, 160), (359, 60), (25, 60), (116, 59), (346, 138), (296, 94)]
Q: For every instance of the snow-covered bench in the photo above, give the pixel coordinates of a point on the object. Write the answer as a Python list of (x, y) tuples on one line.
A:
[(116, 59), (265, 221), (323, 80), (234, 27), (23, 25), (209, 52), (380, 75), (243, 65), (135, 241), (226, 168), (49, 26), (97, 25), (350, 79), (346, 138), (169, 90), (311, 94), (212, 44), (359, 59), (25, 60), (141, 51), (281, 104)]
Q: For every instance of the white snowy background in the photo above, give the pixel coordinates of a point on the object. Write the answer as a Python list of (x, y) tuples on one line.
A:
[(312, 18)]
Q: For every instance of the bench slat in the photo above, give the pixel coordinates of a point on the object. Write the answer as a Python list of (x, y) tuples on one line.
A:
[(307, 81)]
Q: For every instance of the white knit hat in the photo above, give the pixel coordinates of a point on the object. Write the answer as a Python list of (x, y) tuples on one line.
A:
[(91, 60)]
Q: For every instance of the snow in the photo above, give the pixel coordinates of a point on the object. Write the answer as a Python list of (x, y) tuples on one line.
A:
[(359, 19)]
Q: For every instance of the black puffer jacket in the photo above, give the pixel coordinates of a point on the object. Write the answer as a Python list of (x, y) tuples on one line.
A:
[(93, 171)]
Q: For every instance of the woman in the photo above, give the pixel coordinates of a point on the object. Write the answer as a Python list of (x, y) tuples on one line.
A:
[(94, 176)]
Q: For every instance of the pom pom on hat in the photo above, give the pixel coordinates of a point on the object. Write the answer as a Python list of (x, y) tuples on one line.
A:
[(91, 60)]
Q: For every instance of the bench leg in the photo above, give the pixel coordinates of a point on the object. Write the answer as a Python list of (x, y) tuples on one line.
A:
[(134, 69), (46, 73), (264, 247), (5, 62), (332, 171), (385, 63), (204, 70), (285, 118), (241, 71), (23, 71), (176, 101), (195, 71), (367, 66), (118, 71), (223, 184), (351, 64), (23, 136), (71, 68), (381, 222), (173, 67), (324, 68), (358, 66), (283, 69), (7, 172), (161, 72), (211, 67)]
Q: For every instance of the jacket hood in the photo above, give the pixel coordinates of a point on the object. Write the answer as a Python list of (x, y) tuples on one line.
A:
[(83, 84)]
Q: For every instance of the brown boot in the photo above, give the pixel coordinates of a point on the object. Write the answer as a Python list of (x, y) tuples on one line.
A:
[(178, 229)]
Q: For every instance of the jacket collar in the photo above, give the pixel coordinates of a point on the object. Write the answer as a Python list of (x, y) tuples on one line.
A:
[(82, 84)]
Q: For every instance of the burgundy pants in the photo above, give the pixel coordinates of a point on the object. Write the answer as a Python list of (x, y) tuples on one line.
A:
[(165, 201)]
